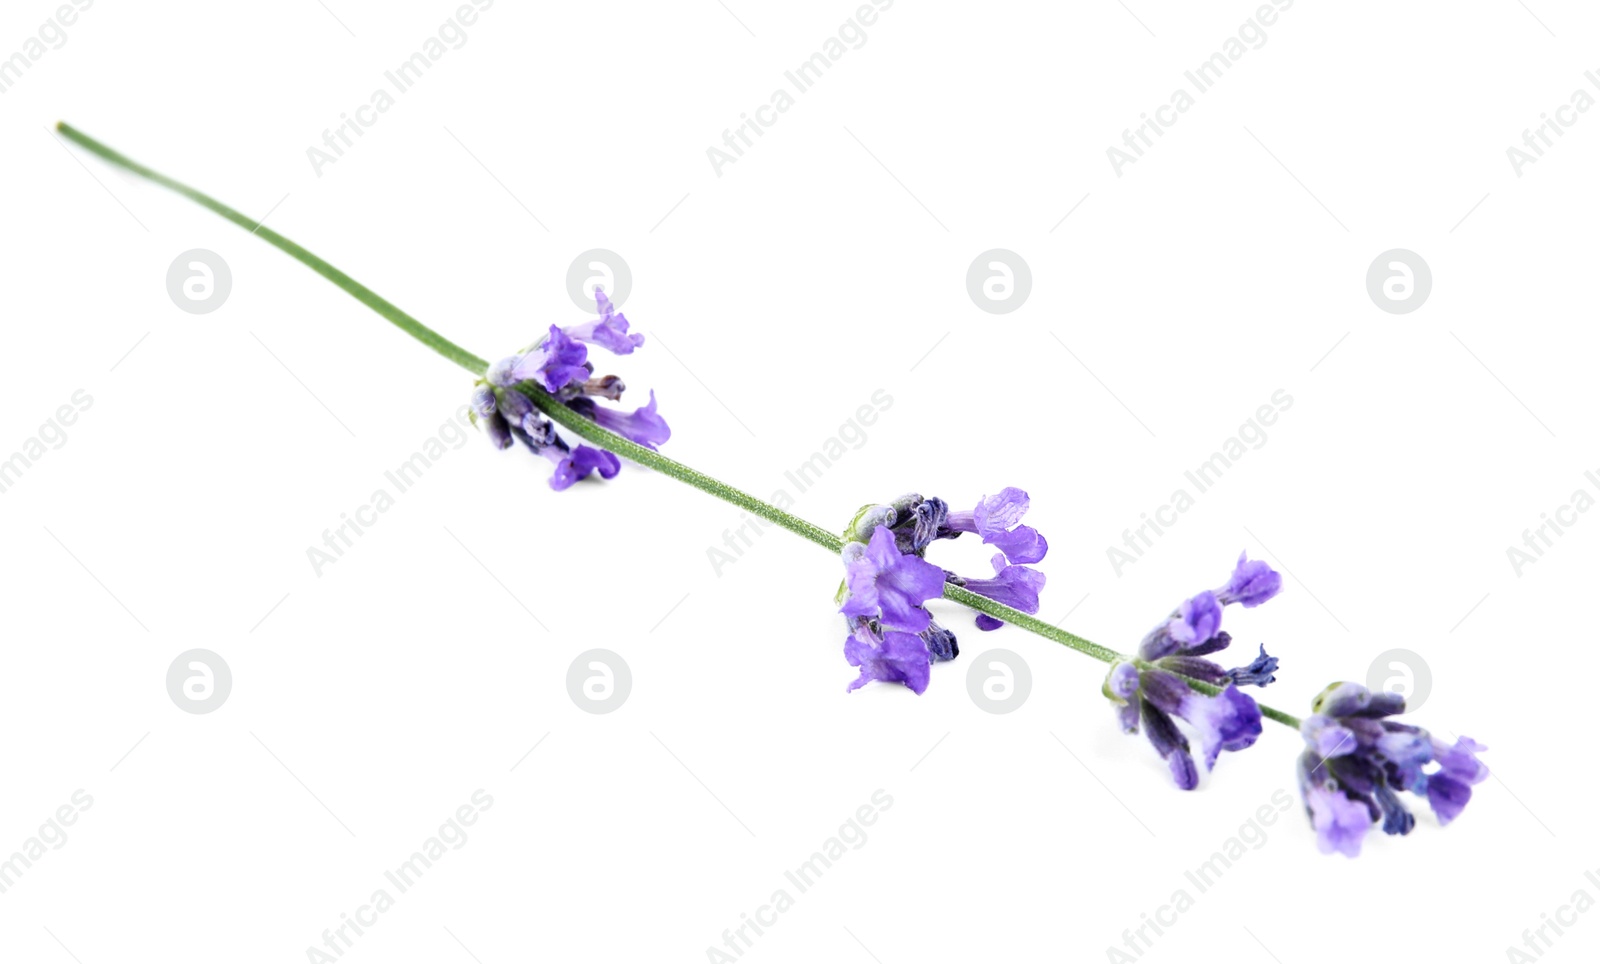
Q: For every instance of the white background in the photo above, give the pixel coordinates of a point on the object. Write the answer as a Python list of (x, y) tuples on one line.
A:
[(372, 700)]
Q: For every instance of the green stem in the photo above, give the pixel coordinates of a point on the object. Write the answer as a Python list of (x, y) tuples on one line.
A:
[(649, 458), (590, 431), (356, 289), (1032, 624)]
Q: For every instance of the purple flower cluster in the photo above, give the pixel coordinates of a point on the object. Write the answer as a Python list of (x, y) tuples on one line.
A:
[(1153, 689), (559, 364), (893, 638), (1356, 761)]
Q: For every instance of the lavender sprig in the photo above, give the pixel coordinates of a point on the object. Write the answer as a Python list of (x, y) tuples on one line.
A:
[(589, 430), (1346, 790)]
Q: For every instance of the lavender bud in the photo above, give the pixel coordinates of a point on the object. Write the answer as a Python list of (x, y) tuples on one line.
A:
[(498, 430), (609, 387), (483, 401)]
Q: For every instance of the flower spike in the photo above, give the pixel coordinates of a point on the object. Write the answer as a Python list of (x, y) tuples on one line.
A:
[(1153, 689), (559, 364), (1357, 759)]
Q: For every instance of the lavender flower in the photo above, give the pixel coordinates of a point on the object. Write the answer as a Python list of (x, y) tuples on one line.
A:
[(1014, 586), (1253, 582), (895, 657), (554, 363), (892, 637), (484, 403), (643, 425), (1199, 618), (1230, 720), (1357, 760), (917, 521), (1259, 672), (887, 579), (498, 430), (941, 642), (887, 586), (559, 364), (578, 463), (997, 521), (520, 413), (1153, 689), (609, 331)]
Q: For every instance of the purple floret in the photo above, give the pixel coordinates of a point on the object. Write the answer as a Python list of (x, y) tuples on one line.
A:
[(889, 586), (997, 520), (897, 658), (556, 363), (1197, 620), (1014, 586), (577, 464), (609, 331), (1358, 761), (1253, 582), (642, 425)]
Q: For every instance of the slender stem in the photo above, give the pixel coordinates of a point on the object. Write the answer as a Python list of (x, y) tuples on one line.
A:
[(1271, 713), (591, 432), (1017, 617), (359, 291)]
